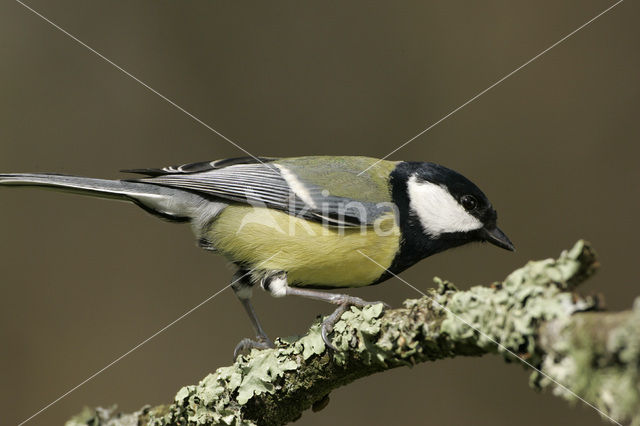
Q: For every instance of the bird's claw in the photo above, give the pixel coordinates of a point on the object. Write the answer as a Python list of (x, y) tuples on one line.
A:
[(330, 321), (245, 345)]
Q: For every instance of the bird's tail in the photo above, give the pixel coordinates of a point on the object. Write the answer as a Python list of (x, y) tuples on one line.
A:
[(169, 203)]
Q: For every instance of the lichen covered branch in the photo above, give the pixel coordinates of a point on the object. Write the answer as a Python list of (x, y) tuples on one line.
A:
[(532, 315)]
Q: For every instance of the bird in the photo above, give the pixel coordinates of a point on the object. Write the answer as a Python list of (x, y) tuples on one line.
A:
[(296, 226)]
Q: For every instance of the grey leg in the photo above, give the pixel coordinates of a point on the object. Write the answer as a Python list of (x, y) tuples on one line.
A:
[(276, 284), (243, 289)]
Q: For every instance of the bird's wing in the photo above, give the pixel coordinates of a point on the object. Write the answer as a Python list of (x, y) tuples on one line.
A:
[(315, 188)]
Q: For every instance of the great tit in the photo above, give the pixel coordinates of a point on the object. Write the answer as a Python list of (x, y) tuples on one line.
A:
[(297, 225)]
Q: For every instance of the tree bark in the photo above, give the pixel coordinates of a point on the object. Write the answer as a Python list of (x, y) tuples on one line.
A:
[(533, 317)]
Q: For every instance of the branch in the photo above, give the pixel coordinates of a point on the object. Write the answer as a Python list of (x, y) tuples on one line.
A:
[(533, 314)]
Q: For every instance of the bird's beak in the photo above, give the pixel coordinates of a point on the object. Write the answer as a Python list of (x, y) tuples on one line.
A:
[(496, 237)]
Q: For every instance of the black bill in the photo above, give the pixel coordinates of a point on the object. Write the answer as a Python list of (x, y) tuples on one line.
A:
[(496, 237)]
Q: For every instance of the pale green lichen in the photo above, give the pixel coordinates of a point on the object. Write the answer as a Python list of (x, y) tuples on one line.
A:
[(600, 358), (354, 333), (308, 345), (219, 398), (504, 318), (105, 417)]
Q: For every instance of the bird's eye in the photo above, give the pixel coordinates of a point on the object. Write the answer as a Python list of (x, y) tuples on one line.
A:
[(469, 202)]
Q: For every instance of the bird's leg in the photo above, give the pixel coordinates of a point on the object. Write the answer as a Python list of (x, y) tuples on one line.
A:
[(277, 285), (344, 301), (242, 287)]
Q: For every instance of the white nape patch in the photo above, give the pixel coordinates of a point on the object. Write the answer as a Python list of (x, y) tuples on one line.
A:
[(296, 186), (277, 285), (437, 210)]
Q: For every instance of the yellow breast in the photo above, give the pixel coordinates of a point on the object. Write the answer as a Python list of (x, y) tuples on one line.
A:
[(311, 254)]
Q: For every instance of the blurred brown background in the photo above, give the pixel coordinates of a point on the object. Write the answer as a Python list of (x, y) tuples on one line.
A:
[(85, 280)]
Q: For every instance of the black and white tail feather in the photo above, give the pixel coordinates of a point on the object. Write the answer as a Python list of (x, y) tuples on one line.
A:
[(171, 204)]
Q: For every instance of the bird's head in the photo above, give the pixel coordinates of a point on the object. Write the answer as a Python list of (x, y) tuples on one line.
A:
[(449, 208)]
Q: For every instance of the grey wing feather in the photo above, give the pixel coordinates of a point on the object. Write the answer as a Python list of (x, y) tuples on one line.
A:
[(260, 184)]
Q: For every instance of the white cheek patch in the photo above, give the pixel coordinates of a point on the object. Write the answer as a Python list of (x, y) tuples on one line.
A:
[(437, 210)]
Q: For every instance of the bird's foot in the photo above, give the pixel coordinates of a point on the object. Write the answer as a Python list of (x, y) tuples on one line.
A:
[(345, 302), (245, 345)]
